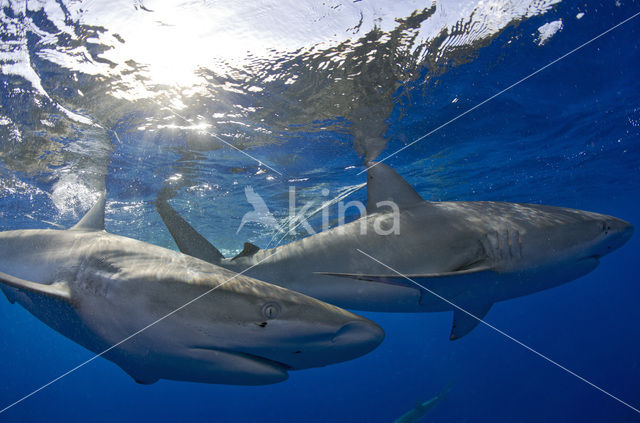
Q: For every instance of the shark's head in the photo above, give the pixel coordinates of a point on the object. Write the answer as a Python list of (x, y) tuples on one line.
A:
[(608, 234), (265, 331), (301, 332), (579, 236)]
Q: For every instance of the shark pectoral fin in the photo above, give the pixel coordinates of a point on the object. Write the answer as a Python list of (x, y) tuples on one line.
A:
[(59, 290), (9, 296), (424, 281), (463, 323), (248, 250), (94, 219), (385, 184), (388, 279), (188, 240)]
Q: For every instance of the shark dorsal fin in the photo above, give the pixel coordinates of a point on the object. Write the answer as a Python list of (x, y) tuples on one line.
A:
[(94, 219), (248, 250), (385, 184)]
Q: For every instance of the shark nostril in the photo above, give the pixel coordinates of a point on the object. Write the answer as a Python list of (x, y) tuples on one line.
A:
[(359, 332)]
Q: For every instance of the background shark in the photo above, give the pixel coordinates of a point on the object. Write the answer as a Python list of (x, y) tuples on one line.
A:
[(471, 253), (417, 413), (99, 289)]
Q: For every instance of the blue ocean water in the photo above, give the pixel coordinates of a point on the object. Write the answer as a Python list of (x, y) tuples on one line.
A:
[(81, 109)]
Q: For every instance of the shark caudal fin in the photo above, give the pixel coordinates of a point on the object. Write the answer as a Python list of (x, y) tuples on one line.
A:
[(94, 219), (385, 184), (188, 240)]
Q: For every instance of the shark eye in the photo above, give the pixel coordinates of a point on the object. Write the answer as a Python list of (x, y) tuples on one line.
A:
[(270, 310)]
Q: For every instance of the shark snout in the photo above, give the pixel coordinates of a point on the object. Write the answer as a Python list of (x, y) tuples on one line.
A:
[(627, 230), (354, 338), (359, 337), (619, 232)]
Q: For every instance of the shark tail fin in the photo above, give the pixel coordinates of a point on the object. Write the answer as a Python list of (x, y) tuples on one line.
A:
[(188, 240)]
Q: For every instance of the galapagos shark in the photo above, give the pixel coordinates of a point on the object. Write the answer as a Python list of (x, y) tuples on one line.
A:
[(100, 289), (417, 413), (472, 254)]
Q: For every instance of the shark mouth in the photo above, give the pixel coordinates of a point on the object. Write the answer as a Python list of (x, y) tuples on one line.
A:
[(595, 259), (246, 355)]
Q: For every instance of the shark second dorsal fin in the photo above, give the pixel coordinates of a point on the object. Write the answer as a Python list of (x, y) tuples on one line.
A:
[(248, 250), (94, 219), (385, 184)]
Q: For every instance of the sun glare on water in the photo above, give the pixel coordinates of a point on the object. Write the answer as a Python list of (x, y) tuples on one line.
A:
[(168, 45)]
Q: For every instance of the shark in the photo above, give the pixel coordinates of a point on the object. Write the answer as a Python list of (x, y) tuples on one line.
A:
[(460, 256), (417, 413), (161, 314)]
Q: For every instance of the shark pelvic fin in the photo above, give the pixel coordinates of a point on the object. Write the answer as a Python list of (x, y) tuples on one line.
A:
[(58, 291), (463, 323), (248, 250), (94, 219), (385, 184), (188, 240)]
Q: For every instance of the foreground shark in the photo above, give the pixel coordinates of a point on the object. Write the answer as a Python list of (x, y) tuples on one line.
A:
[(99, 289), (471, 253)]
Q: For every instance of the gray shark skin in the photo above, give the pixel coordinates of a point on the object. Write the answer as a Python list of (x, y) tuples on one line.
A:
[(471, 253), (417, 413), (98, 288)]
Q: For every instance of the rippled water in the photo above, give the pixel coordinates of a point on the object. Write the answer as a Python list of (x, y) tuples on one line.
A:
[(200, 99), (194, 76)]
